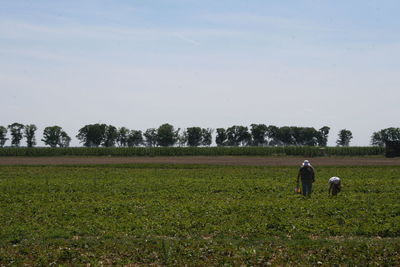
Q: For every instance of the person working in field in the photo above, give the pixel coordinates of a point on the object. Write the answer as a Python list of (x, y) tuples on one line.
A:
[(307, 175), (334, 186)]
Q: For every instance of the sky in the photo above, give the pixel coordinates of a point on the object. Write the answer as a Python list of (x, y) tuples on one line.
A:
[(206, 63)]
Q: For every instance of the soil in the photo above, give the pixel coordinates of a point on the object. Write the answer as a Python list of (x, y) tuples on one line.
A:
[(217, 160)]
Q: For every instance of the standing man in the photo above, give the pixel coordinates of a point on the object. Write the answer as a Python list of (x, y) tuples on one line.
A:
[(307, 175)]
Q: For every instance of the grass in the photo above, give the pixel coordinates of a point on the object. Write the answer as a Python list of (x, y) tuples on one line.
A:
[(196, 215)]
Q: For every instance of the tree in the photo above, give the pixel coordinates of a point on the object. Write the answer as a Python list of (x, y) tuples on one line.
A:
[(92, 135), (285, 136), (122, 138), (322, 137), (273, 135), (221, 137), (64, 139), (344, 138), (238, 135), (135, 138), (232, 136), (377, 139), (16, 133), (3, 134), (305, 136), (167, 135), (258, 134), (182, 139), (110, 136), (206, 136), (194, 136), (52, 135), (29, 134), (244, 136), (381, 137), (55, 136), (150, 136)]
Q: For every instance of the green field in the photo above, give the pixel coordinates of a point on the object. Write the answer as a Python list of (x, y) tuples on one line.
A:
[(196, 215)]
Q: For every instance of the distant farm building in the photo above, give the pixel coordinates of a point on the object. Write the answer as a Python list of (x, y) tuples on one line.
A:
[(392, 149)]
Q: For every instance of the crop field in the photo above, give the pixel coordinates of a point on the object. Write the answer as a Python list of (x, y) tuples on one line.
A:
[(308, 151), (196, 215)]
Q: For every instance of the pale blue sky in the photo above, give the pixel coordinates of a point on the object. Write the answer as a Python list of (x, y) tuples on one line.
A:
[(201, 63)]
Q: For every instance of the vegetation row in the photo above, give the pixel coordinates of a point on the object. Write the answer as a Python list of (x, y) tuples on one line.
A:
[(193, 151), (259, 135)]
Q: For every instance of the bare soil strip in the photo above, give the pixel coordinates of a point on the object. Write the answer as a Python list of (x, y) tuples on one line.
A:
[(216, 160)]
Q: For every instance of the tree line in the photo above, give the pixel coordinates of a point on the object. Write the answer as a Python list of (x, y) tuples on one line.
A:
[(53, 135), (96, 135)]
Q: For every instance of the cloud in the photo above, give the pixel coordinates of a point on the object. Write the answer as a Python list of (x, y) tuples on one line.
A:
[(33, 31), (186, 39), (258, 20), (35, 53), (24, 30)]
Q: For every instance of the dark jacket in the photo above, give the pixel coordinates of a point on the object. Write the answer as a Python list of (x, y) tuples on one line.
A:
[(307, 173)]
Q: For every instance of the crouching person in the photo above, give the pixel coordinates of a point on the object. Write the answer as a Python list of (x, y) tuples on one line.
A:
[(334, 186)]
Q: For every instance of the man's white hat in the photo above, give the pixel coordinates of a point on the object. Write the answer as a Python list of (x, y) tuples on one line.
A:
[(334, 180), (306, 163)]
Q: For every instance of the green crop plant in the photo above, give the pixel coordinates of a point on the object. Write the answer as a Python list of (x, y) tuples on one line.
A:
[(200, 215), (193, 151)]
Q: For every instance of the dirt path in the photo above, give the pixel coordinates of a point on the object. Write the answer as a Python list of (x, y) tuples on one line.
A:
[(222, 160)]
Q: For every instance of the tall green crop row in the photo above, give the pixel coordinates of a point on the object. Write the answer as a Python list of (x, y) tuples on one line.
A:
[(354, 151), (193, 151)]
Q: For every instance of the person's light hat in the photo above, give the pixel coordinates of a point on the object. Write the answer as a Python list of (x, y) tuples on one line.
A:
[(334, 180), (306, 163)]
